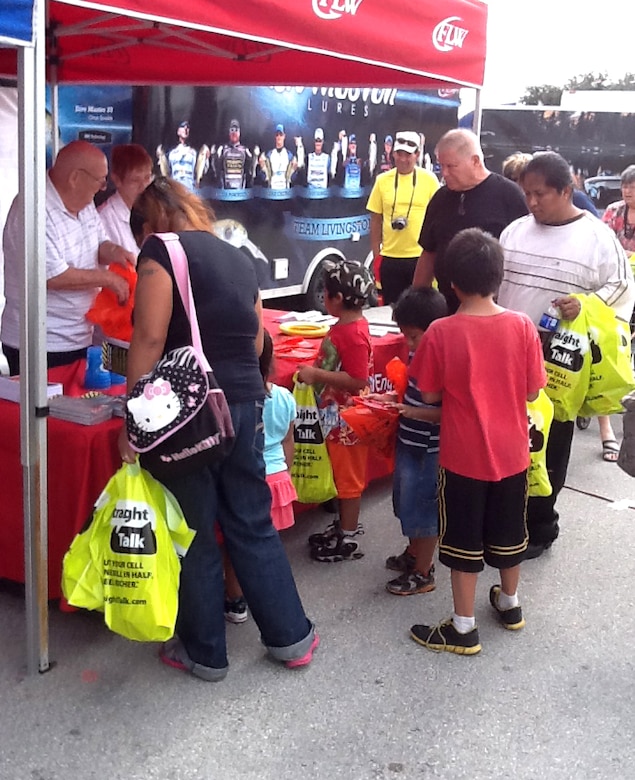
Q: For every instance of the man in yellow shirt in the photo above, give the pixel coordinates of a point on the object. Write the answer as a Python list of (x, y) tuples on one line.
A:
[(398, 203)]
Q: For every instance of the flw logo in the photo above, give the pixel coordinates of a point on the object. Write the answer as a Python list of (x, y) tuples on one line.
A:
[(335, 9), (448, 35)]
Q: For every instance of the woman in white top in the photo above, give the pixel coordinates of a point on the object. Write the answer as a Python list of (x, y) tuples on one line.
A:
[(131, 172)]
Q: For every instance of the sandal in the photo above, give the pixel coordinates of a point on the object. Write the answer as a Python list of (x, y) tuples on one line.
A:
[(610, 450)]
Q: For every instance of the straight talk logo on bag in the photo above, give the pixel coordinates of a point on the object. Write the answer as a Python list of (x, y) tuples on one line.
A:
[(567, 349), (133, 528), (307, 426)]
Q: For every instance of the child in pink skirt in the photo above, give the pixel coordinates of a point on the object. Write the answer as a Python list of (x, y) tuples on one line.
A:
[(278, 417)]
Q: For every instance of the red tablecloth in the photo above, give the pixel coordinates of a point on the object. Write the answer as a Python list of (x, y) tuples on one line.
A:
[(384, 348), (81, 460)]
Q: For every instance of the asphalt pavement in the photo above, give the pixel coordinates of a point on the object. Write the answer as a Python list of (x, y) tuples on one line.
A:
[(554, 700)]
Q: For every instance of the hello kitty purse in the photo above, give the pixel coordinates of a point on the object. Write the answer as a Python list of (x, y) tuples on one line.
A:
[(177, 416)]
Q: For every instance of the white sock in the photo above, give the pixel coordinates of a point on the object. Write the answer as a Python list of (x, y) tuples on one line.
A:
[(349, 533), (507, 602), (463, 624)]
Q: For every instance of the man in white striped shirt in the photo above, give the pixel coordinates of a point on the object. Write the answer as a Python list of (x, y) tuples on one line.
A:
[(557, 250), (77, 253)]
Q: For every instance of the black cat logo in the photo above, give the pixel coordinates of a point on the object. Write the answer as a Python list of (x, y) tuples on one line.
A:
[(536, 438), (596, 353)]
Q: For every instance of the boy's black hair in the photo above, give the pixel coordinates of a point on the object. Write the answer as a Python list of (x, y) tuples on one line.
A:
[(350, 278), (417, 307), (266, 357), (474, 261)]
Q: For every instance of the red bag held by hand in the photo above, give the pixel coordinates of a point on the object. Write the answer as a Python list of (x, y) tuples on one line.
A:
[(113, 318), (397, 374), (374, 423)]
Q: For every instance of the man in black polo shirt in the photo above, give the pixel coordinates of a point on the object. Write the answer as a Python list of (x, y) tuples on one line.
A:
[(472, 196)]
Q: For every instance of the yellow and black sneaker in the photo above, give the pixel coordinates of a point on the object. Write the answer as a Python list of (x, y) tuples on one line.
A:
[(445, 637), (511, 618)]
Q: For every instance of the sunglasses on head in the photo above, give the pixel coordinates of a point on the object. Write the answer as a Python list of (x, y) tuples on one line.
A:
[(407, 142)]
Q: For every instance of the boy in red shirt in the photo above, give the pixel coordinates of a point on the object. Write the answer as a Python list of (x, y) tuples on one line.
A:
[(342, 369), (483, 363)]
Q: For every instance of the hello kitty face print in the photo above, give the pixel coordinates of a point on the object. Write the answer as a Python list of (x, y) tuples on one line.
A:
[(166, 399), (157, 407)]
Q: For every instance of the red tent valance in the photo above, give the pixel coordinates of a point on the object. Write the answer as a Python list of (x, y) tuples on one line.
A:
[(413, 43)]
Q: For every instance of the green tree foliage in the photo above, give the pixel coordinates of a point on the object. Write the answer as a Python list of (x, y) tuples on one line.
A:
[(549, 95), (543, 95)]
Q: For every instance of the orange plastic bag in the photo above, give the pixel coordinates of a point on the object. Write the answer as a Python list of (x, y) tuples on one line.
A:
[(115, 319), (397, 375), (374, 423)]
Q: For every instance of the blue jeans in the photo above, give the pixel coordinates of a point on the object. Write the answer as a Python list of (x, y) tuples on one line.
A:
[(414, 491), (235, 493)]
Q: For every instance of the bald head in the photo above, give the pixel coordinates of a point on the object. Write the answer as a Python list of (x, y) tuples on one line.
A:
[(80, 171), (77, 154), (461, 141), (461, 159)]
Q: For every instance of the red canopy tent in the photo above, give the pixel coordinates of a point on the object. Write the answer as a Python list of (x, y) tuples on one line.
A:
[(362, 43), (413, 43)]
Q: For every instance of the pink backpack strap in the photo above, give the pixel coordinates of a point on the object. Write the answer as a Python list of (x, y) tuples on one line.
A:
[(181, 269)]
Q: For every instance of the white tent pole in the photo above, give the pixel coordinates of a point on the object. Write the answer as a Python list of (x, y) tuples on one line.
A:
[(55, 113), (33, 399), (55, 107), (478, 114)]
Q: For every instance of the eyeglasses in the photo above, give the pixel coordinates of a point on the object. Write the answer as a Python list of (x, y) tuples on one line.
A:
[(101, 180), (141, 179)]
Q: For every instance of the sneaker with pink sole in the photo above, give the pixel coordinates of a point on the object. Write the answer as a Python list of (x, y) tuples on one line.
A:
[(174, 654), (307, 658)]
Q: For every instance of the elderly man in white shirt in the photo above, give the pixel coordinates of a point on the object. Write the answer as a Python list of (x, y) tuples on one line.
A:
[(77, 253)]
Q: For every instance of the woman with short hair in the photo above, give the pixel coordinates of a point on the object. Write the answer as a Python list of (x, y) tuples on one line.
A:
[(620, 216)]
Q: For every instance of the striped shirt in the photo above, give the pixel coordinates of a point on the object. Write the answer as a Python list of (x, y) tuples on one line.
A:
[(72, 241), (543, 262), (418, 433)]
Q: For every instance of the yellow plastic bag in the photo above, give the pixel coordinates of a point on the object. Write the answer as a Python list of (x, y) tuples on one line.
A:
[(539, 418), (81, 578), (568, 366), (126, 562), (611, 375), (311, 471)]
